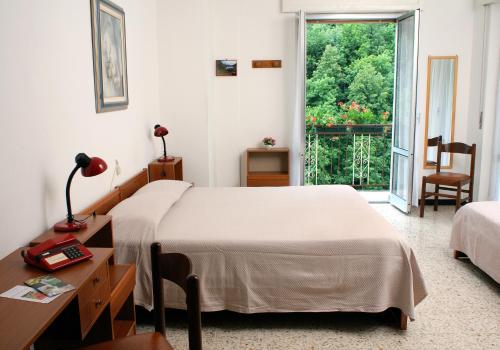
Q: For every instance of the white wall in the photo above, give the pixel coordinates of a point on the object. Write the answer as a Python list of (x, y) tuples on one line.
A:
[(184, 44), (48, 110), (214, 119)]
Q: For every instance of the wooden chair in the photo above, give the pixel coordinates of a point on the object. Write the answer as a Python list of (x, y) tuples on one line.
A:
[(434, 142), (449, 181), (177, 268)]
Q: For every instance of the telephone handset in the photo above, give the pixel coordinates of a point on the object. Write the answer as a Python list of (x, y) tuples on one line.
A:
[(56, 253)]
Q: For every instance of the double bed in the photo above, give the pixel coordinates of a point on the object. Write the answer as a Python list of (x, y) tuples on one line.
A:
[(275, 249)]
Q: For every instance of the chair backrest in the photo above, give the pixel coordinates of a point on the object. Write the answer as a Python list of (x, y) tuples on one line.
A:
[(434, 142), (462, 148), (177, 268)]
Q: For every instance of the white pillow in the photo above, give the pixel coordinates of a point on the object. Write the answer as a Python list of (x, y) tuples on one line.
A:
[(173, 187)]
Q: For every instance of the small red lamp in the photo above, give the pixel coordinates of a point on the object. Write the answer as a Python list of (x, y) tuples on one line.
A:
[(161, 131), (90, 167)]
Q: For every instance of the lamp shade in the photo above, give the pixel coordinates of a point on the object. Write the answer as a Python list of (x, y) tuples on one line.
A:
[(160, 131), (95, 167)]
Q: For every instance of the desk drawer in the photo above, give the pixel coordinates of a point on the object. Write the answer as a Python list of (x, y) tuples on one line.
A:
[(93, 298)]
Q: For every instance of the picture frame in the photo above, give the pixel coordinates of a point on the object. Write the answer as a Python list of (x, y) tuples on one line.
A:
[(226, 68), (109, 55)]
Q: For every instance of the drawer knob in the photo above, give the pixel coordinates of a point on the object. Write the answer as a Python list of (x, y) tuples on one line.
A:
[(98, 302), (96, 280)]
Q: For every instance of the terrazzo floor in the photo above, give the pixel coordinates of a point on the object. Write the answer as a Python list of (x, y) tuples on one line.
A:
[(462, 310)]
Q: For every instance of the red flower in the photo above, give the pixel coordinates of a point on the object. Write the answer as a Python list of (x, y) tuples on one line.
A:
[(343, 116)]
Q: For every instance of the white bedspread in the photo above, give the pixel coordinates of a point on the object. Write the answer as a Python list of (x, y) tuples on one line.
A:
[(283, 249), (476, 232)]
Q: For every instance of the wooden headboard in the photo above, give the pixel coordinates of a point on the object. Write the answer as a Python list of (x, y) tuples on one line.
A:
[(119, 193), (130, 186)]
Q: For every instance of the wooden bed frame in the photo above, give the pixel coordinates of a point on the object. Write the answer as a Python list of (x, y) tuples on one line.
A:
[(129, 187)]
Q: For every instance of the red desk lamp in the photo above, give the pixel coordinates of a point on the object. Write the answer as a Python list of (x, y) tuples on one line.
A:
[(161, 131), (90, 167)]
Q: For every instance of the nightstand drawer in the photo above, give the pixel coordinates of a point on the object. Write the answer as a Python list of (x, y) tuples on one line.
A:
[(93, 298), (267, 180)]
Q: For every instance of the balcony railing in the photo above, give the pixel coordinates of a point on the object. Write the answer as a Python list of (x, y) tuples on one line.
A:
[(357, 155)]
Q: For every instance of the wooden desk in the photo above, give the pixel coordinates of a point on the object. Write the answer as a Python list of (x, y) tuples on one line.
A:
[(77, 317), (99, 234)]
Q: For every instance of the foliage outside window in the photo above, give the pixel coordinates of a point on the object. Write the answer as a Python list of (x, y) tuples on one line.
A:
[(350, 74)]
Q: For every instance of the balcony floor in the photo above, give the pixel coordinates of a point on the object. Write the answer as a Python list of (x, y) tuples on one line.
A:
[(375, 196)]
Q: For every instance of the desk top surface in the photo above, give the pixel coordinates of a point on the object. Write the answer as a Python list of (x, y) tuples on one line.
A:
[(94, 224), (22, 322)]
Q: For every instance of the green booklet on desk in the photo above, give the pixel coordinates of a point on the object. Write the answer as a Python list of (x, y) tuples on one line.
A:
[(49, 285)]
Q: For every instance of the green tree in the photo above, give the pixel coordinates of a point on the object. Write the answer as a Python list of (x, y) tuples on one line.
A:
[(318, 37), (372, 79), (322, 87), (368, 86)]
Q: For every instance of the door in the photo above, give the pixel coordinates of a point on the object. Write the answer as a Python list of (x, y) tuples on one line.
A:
[(405, 96)]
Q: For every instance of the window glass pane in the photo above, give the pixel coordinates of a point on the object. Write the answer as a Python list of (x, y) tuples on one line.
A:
[(404, 83), (400, 173)]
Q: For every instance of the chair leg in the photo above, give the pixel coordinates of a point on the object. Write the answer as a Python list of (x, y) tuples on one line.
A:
[(436, 190), (471, 192), (459, 197), (422, 196)]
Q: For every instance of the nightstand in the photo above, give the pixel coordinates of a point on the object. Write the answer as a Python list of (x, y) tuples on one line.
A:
[(165, 170), (120, 308), (267, 167)]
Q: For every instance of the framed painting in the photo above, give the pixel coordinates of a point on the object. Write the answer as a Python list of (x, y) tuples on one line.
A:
[(110, 56), (226, 68)]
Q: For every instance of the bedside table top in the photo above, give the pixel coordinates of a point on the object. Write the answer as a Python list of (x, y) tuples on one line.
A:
[(94, 224), (175, 161), (268, 150)]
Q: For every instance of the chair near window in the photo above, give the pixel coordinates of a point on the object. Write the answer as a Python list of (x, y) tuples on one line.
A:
[(177, 268), (449, 181), (434, 142)]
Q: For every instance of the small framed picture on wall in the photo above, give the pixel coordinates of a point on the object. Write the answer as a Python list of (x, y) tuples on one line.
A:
[(110, 56), (226, 68)]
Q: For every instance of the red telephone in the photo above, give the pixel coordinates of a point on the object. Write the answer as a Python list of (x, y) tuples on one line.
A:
[(56, 253)]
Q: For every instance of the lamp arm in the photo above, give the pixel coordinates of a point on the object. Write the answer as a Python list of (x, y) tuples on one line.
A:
[(164, 147), (68, 199)]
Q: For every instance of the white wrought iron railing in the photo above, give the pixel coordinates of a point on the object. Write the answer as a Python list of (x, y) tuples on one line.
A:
[(357, 155)]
